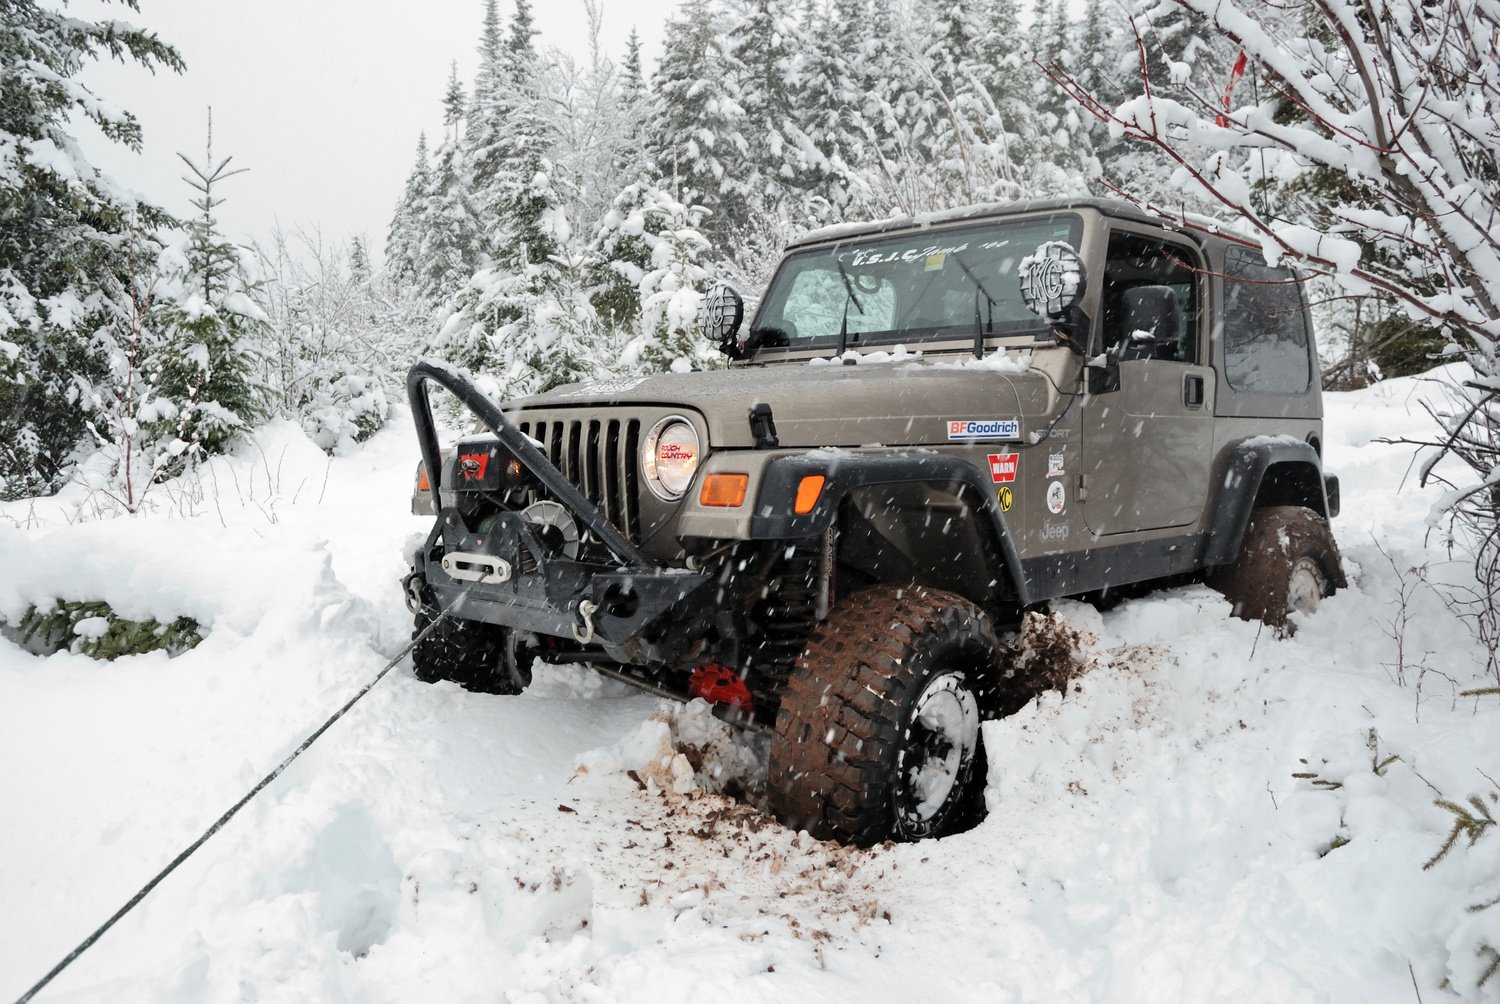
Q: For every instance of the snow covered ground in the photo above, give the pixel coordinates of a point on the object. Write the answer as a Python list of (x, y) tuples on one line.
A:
[(1147, 839)]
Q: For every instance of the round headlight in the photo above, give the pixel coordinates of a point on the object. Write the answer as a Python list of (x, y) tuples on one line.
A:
[(670, 457)]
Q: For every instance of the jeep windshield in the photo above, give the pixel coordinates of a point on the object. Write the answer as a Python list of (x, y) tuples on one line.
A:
[(940, 285)]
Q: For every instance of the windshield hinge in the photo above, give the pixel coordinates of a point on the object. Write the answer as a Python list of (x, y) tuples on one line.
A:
[(763, 427)]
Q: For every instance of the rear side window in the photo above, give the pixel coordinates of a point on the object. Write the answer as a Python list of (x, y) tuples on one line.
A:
[(1265, 331)]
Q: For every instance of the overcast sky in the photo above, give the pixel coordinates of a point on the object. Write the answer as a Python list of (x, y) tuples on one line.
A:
[(322, 100)]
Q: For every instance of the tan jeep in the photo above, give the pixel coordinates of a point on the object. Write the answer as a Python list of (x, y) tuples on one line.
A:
[(928, 428)]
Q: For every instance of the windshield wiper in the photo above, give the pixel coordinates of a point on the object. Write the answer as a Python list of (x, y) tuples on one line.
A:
[(848, 288), (980, 329)]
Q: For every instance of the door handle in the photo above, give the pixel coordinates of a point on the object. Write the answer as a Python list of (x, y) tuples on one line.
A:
[(1192, 391)]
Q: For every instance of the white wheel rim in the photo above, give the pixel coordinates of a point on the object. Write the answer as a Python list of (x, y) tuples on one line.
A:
[(1305, 587), (931, 767)]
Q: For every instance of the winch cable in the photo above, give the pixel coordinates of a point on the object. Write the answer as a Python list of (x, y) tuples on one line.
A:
[(189, 850)]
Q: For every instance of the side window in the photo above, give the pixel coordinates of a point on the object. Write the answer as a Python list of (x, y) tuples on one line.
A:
[(1138, 261), (1265, 330)]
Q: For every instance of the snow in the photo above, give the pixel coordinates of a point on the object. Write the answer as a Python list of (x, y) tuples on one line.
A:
[(1147, 839)]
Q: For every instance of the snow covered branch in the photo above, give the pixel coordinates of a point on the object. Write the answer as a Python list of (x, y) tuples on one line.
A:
[(1397, 98)]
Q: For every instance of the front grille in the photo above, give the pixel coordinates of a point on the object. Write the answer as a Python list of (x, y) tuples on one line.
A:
[(599, 457)]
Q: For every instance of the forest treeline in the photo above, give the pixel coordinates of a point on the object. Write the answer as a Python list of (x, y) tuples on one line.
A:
[(561, 220)]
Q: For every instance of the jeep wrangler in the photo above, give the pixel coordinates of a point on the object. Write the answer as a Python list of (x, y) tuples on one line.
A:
[(928, 428)]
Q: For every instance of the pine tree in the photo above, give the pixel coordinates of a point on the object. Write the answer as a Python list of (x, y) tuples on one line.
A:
[(493, 322), (449, 221), (596, 146), (210, 321), (1093, 65), (879, 82), (953, 141), (842, 99), (692, 113), (633, 156), (1179, 40), (63, 230), (632, 80), (523, 188), (403, 242), (771, 166), (485, 136)]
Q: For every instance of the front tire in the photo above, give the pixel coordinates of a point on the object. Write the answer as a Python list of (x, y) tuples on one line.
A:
[(877, 736), (475, 655), (1287, 564)]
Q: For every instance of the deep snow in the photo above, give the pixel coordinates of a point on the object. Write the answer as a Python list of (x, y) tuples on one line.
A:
[(1147, 840)]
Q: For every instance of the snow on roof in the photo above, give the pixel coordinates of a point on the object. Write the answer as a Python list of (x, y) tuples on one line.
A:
[(981, 210)]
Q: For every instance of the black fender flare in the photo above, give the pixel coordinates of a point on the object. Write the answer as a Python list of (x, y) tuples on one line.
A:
[(1241, 478), (773, 518)]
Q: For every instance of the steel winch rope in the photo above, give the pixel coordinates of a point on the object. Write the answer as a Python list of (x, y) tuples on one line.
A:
[(188, 851)]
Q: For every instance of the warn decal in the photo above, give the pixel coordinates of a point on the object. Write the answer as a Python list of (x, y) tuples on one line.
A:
[(984, 428), (1003, 467), (473, 465)]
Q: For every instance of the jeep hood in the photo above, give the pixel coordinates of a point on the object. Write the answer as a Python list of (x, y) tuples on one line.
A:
[(888, 404)]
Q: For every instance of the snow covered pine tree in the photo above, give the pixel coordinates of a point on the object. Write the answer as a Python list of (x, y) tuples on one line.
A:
[(63, 225)]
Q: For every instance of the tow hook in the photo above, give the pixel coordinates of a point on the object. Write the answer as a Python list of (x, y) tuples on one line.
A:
[(583, 631), (414, 587)]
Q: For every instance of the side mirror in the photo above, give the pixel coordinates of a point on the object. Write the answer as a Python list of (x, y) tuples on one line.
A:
[(721, 314), (1150, 318), (1052, 280)]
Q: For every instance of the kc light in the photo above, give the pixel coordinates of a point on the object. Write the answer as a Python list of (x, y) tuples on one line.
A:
[(670, 457)]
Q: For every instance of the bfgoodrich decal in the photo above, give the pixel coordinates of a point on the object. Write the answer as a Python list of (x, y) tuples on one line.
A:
[(984, 428)]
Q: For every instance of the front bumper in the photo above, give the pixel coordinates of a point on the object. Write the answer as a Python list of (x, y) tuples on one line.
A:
[(635, 610)]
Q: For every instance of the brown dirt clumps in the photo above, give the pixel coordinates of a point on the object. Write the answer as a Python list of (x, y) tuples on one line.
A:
[(1046, 653)]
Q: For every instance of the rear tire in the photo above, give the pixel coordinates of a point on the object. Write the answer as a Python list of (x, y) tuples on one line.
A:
[(1288, 562), (877, 736), (473, 654)]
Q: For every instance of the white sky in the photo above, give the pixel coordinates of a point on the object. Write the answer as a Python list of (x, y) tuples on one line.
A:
[(322, 100)]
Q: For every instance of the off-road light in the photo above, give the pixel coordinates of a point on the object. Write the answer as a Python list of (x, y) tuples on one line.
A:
[(808, 491), (724, 490), (670, 457)]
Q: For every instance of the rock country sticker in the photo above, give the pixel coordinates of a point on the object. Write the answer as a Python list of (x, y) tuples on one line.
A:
[(1003, 467), (984, 428), (1057, 498)]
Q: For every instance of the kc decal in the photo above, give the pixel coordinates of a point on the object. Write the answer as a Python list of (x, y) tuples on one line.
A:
[(1003, 467), (1005, 497), (984, 428)]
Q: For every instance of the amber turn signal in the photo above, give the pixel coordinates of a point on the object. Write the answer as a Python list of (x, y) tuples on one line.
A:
[(807, 494), (423, 485), (724, 490)]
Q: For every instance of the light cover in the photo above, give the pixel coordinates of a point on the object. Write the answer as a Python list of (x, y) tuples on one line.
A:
[(670, 457)]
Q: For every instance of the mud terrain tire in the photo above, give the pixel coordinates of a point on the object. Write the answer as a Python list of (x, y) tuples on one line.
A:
[(878, 736), (470, 653), (1288, 561)]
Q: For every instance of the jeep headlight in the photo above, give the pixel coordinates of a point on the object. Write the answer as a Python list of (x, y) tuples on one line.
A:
[(670, 457)]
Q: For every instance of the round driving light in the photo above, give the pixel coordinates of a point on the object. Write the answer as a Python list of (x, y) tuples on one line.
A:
[(670, 457)]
